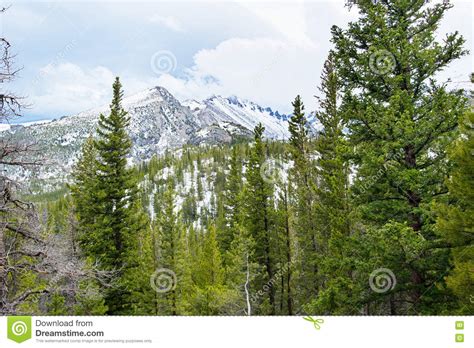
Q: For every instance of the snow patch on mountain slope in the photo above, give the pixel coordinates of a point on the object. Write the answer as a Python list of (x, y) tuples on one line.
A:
[(234, 110)]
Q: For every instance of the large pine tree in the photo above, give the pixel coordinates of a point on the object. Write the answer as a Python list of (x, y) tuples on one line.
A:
[(114, 223), (259, 219), (302, 193), (287, 254), (400, 120)]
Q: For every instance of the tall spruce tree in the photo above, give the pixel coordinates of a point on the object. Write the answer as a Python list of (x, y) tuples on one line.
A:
[(118, 219), (302, 195), (332, 207), (173, 257), (400, 120), (287, 257), (240, 271), (259, 218)]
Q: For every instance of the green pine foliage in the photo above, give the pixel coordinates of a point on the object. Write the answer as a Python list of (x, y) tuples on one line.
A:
[(302, 192), (209, 292), (240, 271), (172, 256), (106, 197), (84, 194), (455, 223), (400, 120), (259, 218), (332, 208)]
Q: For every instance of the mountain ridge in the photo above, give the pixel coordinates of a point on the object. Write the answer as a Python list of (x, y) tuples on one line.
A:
[(158, 122)]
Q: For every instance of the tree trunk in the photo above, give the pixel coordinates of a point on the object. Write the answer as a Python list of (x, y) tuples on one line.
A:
[(415, 222), (268, 264), (288, 257), (3, 274)]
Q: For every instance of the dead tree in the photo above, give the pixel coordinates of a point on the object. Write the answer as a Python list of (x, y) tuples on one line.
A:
[(15, 214), (24, 251)]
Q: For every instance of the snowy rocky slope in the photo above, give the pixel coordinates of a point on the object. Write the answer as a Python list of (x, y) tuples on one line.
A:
[(159, 122), (217, 110)]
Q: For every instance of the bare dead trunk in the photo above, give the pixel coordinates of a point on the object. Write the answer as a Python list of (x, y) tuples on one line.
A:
[(246, 286)]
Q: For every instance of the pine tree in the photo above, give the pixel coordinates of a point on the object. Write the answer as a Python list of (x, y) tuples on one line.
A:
[(298, 127), (332, 207), (400, 121), (210, 294), (84, 194), (168, 247), (302, 195), (174, 257), (455, 223), (287, 250), (259, 217), (333, 161), (240, 272), (118, 222)]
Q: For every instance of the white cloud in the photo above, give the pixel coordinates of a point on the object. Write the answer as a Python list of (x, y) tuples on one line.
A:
[(168, 22), (68, 89), (288, 19), (270, 72)]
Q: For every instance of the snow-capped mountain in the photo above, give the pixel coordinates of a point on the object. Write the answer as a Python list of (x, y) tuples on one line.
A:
[(216, 110), (159, 122)]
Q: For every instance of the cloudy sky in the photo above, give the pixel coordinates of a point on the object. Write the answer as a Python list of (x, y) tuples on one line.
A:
[(266, 51)]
